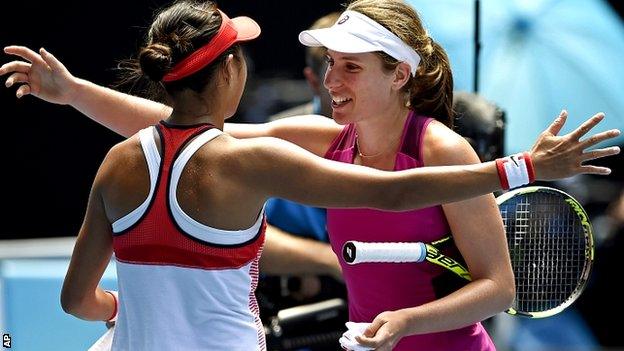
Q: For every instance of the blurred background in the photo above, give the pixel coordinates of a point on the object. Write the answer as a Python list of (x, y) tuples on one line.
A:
[(537, 57)]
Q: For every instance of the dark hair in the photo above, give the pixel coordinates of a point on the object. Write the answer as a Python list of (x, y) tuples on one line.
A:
[(482, 123), (430, 91), (176, 32)]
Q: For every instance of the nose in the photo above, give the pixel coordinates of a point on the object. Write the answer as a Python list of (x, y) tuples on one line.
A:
[(332, 79)]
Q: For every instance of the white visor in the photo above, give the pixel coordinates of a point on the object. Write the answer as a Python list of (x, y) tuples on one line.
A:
[(356, 33)]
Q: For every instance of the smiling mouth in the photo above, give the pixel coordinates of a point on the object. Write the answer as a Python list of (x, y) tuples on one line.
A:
[(338, 102)]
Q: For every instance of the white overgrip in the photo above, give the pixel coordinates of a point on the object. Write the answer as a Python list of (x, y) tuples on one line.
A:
[(355, 252)]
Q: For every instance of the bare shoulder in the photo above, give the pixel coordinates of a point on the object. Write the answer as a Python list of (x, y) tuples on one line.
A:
[(124, 168), (239, 167), (125, 154), (442, 146), (254, 162)]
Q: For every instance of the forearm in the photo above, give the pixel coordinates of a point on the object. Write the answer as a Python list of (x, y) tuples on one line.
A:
[(122, 113), (284, 253), (429, 186), (473, 303), (98, 306), (286, 171)]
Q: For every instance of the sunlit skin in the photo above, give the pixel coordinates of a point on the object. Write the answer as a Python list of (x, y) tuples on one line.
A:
[(362, 81), (365, 93), (260, 167), (239, 86)]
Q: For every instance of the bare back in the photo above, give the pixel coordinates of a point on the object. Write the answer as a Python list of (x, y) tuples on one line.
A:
[(206, 190)]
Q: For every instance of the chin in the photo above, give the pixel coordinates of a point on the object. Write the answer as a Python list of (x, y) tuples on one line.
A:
[(230, 114), (340, 118)]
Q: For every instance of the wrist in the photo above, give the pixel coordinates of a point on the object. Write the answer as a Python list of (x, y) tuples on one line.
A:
[(410, 325), (115, 313), (515, 170), (75, 89)]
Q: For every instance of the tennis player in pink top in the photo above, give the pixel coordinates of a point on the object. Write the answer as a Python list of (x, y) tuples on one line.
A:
[(391, 87)]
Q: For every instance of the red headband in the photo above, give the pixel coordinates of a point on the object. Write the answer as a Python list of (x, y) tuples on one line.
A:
[(225, 37)]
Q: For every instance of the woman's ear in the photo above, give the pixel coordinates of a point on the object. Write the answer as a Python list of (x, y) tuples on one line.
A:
[(229, 68), (402, 74)]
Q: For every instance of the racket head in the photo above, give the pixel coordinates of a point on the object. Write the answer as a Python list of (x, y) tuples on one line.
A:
[(551, 247)]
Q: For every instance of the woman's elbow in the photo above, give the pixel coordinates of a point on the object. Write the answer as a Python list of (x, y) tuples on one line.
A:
[(394, 203), (398, 199), (507, 293), (71, 303), (502, 293)]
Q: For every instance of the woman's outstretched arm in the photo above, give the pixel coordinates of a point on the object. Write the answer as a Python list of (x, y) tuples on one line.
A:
[(271, 167), (43, 76)]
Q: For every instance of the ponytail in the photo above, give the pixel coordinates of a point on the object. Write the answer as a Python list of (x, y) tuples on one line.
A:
[(431, 90)]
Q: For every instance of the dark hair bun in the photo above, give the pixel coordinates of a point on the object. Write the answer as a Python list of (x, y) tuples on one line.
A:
[(155, 61)]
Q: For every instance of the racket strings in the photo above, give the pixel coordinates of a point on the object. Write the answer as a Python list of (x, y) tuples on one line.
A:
[(547, 248)]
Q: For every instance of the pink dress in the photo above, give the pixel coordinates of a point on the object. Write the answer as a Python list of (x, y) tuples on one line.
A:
[(377, 287)]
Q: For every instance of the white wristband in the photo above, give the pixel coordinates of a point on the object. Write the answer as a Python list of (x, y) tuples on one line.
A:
[(515, 170)]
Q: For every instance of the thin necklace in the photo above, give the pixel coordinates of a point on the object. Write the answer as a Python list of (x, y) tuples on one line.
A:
[(357, 144)]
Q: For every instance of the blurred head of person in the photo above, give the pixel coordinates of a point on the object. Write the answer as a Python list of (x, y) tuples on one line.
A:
[(316, 65), (482, 123)]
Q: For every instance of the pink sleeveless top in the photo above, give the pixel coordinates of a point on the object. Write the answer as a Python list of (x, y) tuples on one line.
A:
[(377, 287)]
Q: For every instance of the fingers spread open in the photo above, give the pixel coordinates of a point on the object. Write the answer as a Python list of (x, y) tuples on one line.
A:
[(15, 66), (600, 137), (22, 90), (50, 59), (16, 78), (22, 52), (594, 154), (586, 126), (557, 124), (595, 170)]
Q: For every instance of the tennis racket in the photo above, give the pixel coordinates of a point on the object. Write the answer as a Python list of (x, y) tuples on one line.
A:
[(550, 244)]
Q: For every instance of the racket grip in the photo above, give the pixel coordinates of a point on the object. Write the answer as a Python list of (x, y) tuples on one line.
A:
[(355, 252)]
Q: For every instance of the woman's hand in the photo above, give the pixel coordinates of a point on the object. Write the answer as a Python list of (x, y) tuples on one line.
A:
[(556, 157), (41, 75), (385, 331)]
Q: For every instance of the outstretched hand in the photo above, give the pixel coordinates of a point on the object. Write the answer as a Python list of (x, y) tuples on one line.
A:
[(556, 157), (40, 74)]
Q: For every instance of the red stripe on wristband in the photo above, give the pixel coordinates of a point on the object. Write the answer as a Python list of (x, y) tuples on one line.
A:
[(110, 319), (529, 164), (502, 174)]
